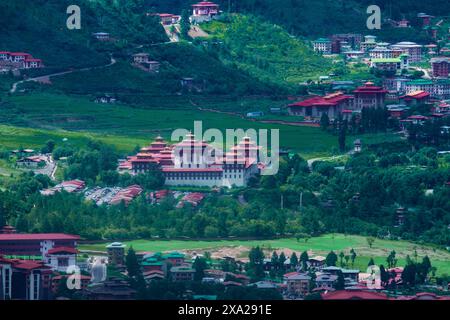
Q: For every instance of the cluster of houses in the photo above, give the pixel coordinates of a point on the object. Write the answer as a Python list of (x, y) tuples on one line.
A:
[(31, 263), (142, 61), (203, 11), (18, 60), (193, 162), (367, 96), (67, 186), (32, 267)]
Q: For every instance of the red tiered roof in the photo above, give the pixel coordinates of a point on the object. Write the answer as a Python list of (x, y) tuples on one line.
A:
[(326, 101), (416, 95), (354, 295), (205, 4), (37, 236), (60, 250), (369, 87)]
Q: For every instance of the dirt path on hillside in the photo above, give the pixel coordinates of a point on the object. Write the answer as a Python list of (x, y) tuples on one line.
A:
[(197, 32), (46, 78)]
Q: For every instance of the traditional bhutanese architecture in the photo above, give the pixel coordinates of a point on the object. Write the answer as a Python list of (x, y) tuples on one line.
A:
[(354, 295), (24, 279), (196, 163), (322, 46), (369, 43), (352, 39), (140, 57), (314, 107), (60, 258), (412, 49), (438, 88), (35, 244), (426, 18), (116, 253), (167, 19), (298, 284), (387, 64), (204, 11), (441, 66), (416, 97), (369, 96), (21, 60)]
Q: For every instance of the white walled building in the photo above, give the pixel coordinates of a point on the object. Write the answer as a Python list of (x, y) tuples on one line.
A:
[(196, 163)]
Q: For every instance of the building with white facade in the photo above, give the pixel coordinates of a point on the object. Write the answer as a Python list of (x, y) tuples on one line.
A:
[(412, 49), (322, 46), (196, 163)]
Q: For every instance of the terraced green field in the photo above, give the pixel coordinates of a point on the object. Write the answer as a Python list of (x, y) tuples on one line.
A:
[(39, 117)]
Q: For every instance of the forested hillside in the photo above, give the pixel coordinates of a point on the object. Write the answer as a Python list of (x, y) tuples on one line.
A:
[(39, 28), (317, 18)]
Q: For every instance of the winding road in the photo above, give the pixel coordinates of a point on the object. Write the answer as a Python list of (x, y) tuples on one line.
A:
[(46, 78)]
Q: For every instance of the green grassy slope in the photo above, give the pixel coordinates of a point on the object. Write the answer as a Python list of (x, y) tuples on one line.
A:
[(178, 60), (265, 50), (54, 112)]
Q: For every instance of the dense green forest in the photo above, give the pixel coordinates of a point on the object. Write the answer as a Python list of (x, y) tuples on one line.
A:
[(319, 18), (24, 29)]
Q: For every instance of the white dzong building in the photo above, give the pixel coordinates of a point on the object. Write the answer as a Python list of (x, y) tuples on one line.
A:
[(196, 163)]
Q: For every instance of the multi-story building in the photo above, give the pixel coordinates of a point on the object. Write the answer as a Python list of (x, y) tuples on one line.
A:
[(412, 49), (204, 11), (369, 96), (381, 53), (322, 46), (35, 244), (182, 273), (197, 163), (369, 43), (314, 107), (352, 39), (390, 64), (298, 284), (441, 66), (24, 279), (20, 60), (437, 88), (116, 253)]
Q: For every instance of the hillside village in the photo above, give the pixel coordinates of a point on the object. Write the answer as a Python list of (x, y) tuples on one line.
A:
[(400, 90)]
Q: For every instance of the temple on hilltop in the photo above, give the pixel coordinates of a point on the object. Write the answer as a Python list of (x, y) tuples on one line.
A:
[(196, 163)]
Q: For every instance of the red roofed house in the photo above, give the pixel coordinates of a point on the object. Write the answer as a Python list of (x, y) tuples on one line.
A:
[(35, 244), (126, 195), (369, 96), (24, 279), (32, 63), (417, 119), (84, 282), (204, 11), (19, 56), (314, 107), (168, 18), (415, 98), (354, 295), (60, 258), (4, 55)]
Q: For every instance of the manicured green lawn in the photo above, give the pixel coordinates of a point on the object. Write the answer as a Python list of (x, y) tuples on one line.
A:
[(317, 245)]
